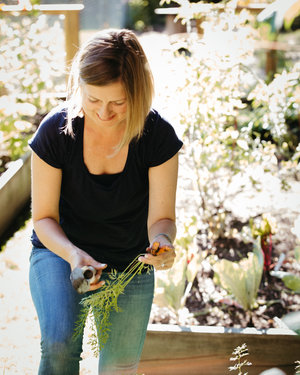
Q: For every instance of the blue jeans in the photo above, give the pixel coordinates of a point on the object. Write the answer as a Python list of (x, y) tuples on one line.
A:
[(58, 308)]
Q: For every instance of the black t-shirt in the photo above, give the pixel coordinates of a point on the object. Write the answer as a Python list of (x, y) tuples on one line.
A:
[(104, 215)]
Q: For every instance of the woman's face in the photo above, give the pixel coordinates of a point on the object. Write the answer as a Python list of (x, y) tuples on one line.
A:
[(105, 105)]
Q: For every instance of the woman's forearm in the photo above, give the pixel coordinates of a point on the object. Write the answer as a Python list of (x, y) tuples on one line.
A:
[(53, 237)]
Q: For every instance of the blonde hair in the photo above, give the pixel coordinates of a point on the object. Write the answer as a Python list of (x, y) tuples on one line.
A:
[(113, 55)]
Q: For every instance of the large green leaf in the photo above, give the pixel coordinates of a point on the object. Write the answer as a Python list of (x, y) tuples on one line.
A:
[(242, 278)]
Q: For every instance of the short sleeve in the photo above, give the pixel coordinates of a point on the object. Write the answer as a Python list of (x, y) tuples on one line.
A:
[(162, 141), (48, 141)]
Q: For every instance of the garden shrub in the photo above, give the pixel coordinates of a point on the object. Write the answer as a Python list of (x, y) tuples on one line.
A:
[(215, 77), (31, 71)]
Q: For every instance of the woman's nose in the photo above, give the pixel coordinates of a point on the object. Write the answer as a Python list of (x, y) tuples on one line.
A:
[(104, 112)]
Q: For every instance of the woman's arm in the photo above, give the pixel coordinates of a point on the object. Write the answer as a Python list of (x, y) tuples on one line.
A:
[(161, 217), (46, 186)]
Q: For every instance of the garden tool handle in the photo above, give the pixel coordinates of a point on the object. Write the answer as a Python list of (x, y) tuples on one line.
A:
[(81, 278)]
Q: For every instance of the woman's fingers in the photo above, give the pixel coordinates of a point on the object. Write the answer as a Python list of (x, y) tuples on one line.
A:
[(162, 261), (97, 285)]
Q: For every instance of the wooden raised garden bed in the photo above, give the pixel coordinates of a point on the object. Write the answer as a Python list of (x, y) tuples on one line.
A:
[(207, 350), (14, 191)]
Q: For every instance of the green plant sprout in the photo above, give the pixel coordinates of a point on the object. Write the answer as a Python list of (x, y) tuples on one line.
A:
[(239, 353), (99, 305)]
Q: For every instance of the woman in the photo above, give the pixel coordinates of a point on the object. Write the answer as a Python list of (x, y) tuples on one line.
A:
[(104, 174)]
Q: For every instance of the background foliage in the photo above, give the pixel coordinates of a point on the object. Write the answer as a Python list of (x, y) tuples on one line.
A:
[(31, 72), (236, 126)]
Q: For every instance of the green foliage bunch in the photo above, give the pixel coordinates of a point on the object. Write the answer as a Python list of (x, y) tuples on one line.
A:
[(30, 70), (215, 83), (99, 305), (275, 108), (242, 279), (213, 80), (141, 14)]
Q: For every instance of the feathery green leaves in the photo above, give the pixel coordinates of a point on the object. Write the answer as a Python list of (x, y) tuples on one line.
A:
[(99, 305)]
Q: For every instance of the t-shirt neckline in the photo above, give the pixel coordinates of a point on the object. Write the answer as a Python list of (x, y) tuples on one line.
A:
[(92, 176)]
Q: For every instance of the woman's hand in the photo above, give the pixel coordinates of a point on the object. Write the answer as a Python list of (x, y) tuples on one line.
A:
[(80, 258), (165, 258)]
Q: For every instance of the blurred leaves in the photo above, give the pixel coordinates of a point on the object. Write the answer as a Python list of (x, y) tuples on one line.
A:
[(214, 79), (30, 73), (273, 105), (264, 227), (280, 13)]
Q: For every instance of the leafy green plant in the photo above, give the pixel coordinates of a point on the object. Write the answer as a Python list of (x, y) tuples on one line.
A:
[(242, 279), (238, 354), (100, 305), (213, 79), (273, 106), (214, 87)]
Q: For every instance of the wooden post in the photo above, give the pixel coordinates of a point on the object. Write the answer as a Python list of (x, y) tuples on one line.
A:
[(71, 37), (271, 63)]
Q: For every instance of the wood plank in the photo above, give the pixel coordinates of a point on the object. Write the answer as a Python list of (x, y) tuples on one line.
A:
[(45, 8), (207, 350), (15, 186)]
